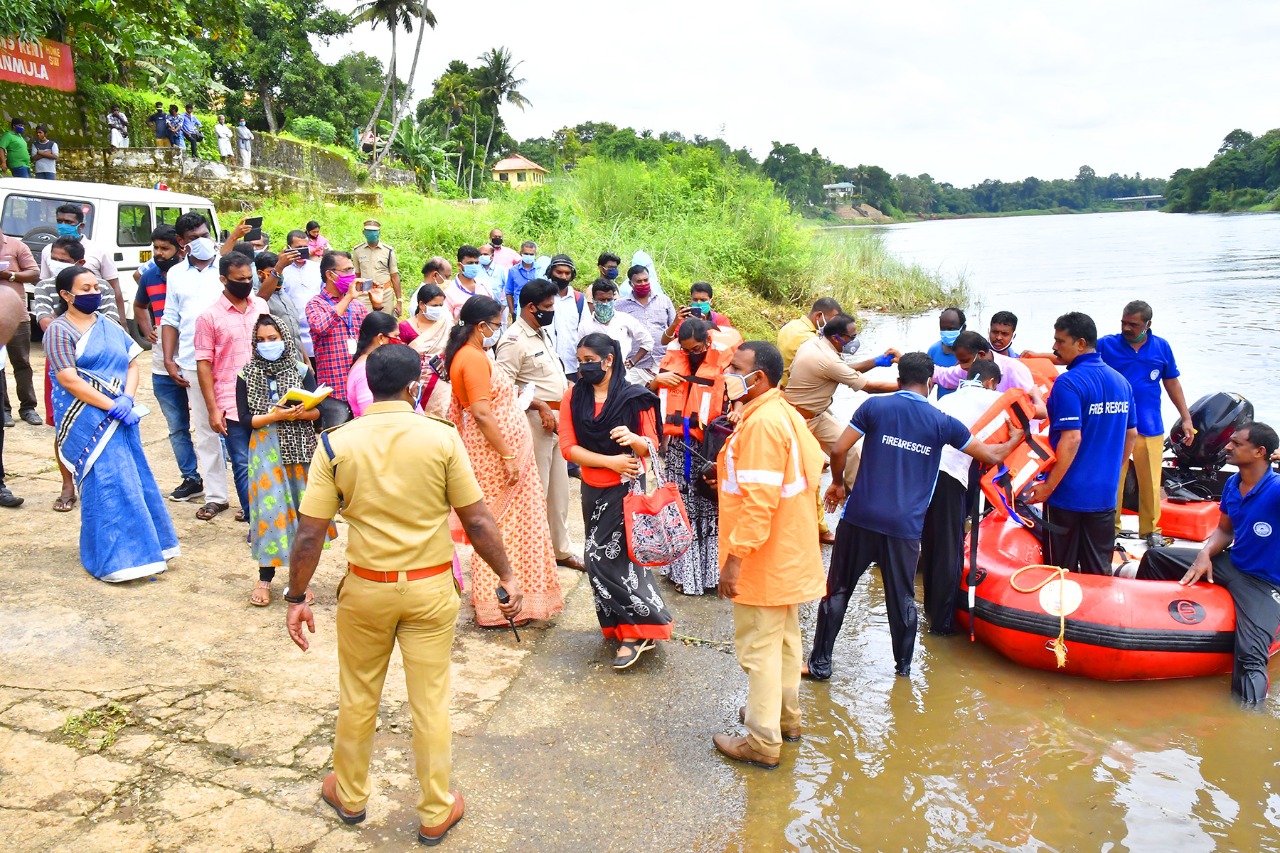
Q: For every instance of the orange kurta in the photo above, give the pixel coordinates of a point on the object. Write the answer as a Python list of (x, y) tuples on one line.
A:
[(769, 472)]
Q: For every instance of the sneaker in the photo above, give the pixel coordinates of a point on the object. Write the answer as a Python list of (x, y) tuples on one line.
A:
[(188, 491), (1155, 540), (8, 498), (32, 418), (8, 421)]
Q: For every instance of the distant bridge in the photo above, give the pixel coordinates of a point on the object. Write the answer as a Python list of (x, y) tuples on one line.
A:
[(1144, 200)]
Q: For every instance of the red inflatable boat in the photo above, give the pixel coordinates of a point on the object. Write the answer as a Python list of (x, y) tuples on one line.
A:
[(1113, 628)]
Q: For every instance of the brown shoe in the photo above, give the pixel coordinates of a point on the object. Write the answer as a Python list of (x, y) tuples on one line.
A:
[(739, 749), (329, 793), (433, 835), (789, 735), (827, 538), (572, 562)]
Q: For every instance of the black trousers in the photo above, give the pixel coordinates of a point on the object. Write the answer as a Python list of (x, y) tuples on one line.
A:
[(857, 548), (942, 552), (1086, 543), (1257, 612), (19, 350), (3, 393)]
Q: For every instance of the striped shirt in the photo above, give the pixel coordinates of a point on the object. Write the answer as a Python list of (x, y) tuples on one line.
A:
[(44, 301), (224, 338)]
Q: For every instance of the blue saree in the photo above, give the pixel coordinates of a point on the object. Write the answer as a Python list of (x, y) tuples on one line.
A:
[(125, 529)]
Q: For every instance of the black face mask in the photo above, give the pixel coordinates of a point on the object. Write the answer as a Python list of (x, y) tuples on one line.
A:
[(696, 359), (166, 264), (591, 372), (544, 318), (495, 241), (239, 289), (562, 284)]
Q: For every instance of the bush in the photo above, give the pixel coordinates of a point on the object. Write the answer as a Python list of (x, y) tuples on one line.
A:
[(313, 129)]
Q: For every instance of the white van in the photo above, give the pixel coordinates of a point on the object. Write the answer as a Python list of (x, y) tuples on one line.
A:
[(118, 219)]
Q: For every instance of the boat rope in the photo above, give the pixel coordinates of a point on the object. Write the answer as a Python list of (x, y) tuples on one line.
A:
[(1059, 645)]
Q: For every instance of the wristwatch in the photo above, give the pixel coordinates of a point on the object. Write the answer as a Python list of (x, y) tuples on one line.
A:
[(13, 275), (296, 599)]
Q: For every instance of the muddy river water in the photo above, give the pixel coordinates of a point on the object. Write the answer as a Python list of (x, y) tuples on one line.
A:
[(974, 752)]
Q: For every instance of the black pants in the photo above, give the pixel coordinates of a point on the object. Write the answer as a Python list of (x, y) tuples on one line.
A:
[(1086, 543), (1257, 612), (19, 350), (3, 393), (942, 552), (857, 548)]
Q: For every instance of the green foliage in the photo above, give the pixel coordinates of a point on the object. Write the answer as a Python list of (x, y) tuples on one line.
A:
[(1244, 173), (96, 730), (58, 110), (313, 129)]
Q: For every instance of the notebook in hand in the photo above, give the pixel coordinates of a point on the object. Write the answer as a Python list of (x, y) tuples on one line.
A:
[(308, 399)]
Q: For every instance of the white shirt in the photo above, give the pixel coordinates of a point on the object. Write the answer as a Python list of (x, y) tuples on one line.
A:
[(190, 292), (967, 405), (564, 328), (301, 284), (629, 332), (96, 259)]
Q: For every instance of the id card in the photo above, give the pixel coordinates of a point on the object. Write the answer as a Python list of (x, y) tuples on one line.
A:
[(351, 346)]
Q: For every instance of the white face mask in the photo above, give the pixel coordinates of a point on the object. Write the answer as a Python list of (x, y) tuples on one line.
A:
[(56, 267), (433, 312), (491, 340), (202, 249)]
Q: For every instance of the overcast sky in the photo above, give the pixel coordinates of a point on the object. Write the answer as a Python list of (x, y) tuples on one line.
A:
[(961, 90)]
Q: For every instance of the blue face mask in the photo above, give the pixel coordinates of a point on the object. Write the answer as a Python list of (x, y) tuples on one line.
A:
[(271, 350), (852, 347), (529, 259), (65, 230), (949, 338), (471, 270), (611, 274), (485, 260)]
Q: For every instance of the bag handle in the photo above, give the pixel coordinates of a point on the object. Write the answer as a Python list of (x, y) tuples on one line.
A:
[(636, 488)]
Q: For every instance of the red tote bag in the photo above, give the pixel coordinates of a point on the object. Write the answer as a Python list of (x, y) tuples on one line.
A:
[(657, 525)]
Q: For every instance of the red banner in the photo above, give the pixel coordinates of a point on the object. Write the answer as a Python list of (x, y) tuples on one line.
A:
[(37, 63)]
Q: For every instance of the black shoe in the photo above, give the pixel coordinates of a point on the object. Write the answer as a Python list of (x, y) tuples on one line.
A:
[(8, 499), (32, 418), (188, 491), (8, 421)]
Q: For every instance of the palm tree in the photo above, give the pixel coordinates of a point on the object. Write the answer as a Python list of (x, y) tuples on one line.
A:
[(497, 80), (427, 19), (397, 15)]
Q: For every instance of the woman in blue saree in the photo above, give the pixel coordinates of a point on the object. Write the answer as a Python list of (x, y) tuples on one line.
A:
[(125, 529)]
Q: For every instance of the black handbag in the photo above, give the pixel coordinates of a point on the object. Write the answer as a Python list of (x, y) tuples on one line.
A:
[(714, 435)]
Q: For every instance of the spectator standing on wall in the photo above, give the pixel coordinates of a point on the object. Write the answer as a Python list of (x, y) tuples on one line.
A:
[(173, 123), (244, 140), (44, 155), (118, 125), (191, 127), (14, 156), (160, 126), (223, 132)]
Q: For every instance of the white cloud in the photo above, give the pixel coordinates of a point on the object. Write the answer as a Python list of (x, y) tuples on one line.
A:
[(964, 91)]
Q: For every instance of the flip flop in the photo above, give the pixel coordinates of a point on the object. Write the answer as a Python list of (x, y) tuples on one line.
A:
[(209, 510), (61, 504)]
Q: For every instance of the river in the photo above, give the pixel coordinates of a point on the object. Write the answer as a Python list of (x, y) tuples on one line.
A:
[(976, 753)]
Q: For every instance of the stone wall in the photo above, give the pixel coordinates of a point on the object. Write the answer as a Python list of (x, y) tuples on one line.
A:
[(38, 105), (306, 162), (144, 167), (390, 177)]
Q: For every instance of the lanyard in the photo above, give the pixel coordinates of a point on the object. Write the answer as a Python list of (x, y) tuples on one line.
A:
[(346, 322)]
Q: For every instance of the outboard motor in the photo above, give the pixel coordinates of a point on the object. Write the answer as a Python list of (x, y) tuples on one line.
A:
[(1214, 417)]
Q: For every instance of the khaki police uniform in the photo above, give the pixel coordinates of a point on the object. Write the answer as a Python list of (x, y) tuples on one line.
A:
[(409, 540), (816, 373), (378, 263), (529, 357)]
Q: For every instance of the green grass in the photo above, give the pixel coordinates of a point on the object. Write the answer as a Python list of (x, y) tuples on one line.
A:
[(96, 730), (698, 219)]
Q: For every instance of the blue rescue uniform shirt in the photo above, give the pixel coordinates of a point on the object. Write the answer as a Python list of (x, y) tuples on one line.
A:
[(1098, 401), (942, 359), (1255, 517), (1145, 368), (901, 452)]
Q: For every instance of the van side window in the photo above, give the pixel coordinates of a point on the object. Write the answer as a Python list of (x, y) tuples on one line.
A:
[(167, 215), (23, 214), (208, 217), (134, 228)]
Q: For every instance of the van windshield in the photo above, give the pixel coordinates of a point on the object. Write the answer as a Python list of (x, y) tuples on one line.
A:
[(23, 214)]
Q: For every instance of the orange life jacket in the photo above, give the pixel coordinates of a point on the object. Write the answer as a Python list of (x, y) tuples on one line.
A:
[(700, 400), (1044, 372), (1029, 459)]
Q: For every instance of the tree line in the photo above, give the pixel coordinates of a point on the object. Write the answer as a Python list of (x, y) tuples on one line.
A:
[(1243, 175)]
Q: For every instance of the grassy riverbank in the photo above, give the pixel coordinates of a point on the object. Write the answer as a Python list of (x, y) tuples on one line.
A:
[(700, 220)]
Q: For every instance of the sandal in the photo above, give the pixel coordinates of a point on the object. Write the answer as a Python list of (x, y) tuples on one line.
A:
[(62, 503), (209, 510), (240, 515), (261, 600), (636, 648)]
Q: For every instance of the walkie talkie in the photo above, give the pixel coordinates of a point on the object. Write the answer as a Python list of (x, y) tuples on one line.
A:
[(503, 598)]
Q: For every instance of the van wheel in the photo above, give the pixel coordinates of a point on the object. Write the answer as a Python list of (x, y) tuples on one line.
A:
[(137, 335)]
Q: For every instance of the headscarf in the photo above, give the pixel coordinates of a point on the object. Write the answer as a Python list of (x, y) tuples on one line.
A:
[(641, 259), (266, 382), (623, 407)]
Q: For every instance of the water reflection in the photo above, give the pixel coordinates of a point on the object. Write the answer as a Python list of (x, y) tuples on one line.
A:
[(973, 752)]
